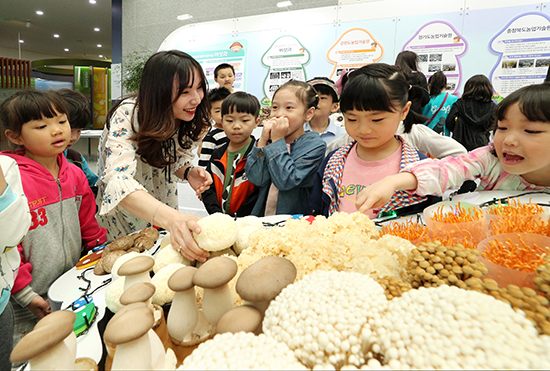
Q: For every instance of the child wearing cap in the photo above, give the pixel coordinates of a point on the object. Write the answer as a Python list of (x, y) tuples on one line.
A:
[(328, 104)]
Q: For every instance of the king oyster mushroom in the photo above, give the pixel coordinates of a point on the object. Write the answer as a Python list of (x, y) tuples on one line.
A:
[(136, 270), (213, 277), (264, 280)]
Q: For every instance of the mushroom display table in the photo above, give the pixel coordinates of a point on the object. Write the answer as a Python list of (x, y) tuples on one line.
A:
[(71, 286)]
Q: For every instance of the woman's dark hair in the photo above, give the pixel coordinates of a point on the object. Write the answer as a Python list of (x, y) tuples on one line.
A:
[(155, 116), (241, 102), (478, 88), (408, 61), (28, 105), (304, 91), (78, 105), (379, 87), (437, 82), (532, 101)]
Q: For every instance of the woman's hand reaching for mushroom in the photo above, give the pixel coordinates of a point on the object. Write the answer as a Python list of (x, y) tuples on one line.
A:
[(199, 179), (182, 238)]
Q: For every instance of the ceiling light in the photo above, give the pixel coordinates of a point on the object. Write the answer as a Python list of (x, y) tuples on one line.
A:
[(66, 49), (21, 41), (99, 45), (96, 29), (39, 12), (284, 4), (92, 1), (55, 35), (184, 17)]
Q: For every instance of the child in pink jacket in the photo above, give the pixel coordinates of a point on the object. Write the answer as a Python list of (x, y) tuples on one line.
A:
[(60, 200)]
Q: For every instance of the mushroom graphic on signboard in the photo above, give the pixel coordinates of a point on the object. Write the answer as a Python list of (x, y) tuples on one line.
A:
[(522, 46), (285, 60), (355, 48), (439, 46)]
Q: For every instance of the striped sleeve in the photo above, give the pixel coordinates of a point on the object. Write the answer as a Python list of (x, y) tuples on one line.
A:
[(216, 138)]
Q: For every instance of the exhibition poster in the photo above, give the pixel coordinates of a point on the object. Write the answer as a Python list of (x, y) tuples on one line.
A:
[(354, 49), (439, 47), (232, 52), (523, 47), (285, 60)]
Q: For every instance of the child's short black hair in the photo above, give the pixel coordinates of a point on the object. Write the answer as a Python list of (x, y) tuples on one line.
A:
[(241, 102), (78, 105), (218, 94), (325, 86), (221, 67), (28, 105)]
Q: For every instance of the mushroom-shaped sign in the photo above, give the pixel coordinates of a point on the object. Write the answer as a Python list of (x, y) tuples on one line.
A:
[(355, 48), (522, 46), (439, 46), (285, 60)]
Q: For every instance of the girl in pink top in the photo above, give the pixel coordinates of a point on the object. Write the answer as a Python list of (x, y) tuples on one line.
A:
[(375, 100), (518, 159)]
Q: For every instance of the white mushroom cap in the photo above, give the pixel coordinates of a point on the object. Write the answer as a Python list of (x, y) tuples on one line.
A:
[(129, 324), (218, 232), (182, 279), (250, 221), (244, 318), (40, 340), (265, 279), (139, 292), (215, 272), (139, 264)]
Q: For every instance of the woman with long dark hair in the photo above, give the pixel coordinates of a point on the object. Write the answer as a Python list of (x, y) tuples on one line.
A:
[(147, 144)]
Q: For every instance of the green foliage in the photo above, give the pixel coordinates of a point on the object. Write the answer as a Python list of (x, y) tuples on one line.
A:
[(132, 67)]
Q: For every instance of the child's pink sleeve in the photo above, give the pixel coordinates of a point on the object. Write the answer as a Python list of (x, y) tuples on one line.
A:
[(92, 234), (24, 277)]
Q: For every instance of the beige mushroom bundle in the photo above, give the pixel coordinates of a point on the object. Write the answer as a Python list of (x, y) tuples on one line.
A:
[(241, 351), (326, 244), (450, 328), (321, 317)]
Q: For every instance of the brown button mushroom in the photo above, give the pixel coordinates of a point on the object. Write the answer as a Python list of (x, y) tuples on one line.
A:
[(244, 318), (213, 277), (140, 292), (45, 348), (264, 280), (61, 316), (136, 270), (183, 315), (129, 332)]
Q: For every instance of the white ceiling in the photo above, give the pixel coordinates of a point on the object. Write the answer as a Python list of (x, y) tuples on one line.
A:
[(72, 20)]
